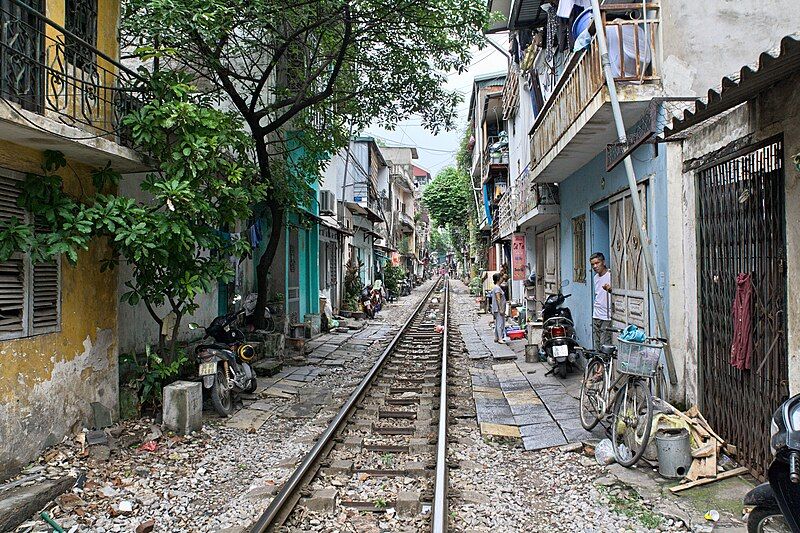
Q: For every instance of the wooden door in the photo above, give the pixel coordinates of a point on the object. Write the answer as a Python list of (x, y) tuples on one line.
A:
[(547, 264), (629, 301)]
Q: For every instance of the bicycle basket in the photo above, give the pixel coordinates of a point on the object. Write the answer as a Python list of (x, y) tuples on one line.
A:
[(639, 358)]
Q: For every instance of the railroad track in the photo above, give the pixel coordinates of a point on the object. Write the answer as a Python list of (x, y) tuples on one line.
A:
[(385, 452)]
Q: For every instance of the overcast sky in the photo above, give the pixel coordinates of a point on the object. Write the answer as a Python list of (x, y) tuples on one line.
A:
[(439, 151)]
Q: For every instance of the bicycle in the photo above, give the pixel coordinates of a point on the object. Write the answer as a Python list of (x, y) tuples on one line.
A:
[(636, 365)]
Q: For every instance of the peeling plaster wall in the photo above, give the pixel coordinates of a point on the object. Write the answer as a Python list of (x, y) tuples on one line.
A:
[(47, 382), (695, 55), (776, 111)]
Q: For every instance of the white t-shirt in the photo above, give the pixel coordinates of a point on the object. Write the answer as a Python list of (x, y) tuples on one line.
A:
[(602, 297)]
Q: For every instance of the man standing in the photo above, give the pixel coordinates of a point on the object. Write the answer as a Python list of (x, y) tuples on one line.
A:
[(499, 309), (601, 313)]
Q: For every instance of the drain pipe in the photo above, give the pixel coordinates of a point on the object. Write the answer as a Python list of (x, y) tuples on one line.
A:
[(647, 245)]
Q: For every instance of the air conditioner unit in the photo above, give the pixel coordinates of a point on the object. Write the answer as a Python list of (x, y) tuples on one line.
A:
[(327, 203)]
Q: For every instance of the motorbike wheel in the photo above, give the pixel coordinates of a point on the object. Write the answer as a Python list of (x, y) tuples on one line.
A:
[(766, 521), (221, 395), (632, 421), (561, 371), (252, 386), (593, 389)]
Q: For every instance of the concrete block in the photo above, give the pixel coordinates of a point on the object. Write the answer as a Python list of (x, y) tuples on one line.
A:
[(323, 500), (339, 466), (419, 445), (183, 407), (408, 503), (102, 415)]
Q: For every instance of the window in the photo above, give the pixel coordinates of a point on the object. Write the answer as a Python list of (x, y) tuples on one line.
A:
[(30, 294), (579, 249), (81, 21)]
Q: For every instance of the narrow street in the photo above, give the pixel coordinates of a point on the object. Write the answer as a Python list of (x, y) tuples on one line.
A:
[(481, 266)]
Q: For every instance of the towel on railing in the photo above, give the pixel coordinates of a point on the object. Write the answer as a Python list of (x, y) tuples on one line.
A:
[(742, 345)]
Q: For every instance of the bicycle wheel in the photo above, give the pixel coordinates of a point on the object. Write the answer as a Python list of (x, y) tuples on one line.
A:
[(632, 421), (593, 394)]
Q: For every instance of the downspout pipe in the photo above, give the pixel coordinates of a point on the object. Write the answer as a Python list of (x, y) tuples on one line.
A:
[(647, 244)]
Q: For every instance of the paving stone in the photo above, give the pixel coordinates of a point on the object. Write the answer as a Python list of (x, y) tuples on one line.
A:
[(543, 428), (299, 410), (501, 430), (540, 442), (248, 419), (278, 393), (262, 405)]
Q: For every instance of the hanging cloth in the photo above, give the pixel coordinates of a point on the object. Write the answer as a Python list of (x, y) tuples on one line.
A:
[(742, 345)]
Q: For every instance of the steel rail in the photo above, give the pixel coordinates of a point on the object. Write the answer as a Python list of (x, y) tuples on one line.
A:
[(439, 521), (285, 497)]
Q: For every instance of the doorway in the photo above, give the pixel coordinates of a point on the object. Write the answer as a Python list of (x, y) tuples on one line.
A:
[(629, 300), (547, 264)]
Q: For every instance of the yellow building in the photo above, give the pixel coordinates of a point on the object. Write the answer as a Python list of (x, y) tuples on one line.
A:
[(59, 90)]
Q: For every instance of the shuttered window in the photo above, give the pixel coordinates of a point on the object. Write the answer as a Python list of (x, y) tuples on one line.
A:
[(30, 294)]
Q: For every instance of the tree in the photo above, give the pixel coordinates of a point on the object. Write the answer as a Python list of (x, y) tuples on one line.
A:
[(448, 199), (201, 183), (303, 74)]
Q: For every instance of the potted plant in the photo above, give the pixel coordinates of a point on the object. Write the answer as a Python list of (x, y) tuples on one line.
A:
[(352, 290)]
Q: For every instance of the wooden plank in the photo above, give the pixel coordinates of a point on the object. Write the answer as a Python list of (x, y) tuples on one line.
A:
[(724, 475)]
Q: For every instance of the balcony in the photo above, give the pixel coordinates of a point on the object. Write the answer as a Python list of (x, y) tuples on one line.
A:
[(70, 93), (537, 204), (507, 223), (576, 122), (407, 222)]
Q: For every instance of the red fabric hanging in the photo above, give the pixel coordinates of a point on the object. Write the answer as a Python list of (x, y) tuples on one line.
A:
[(742, 346)]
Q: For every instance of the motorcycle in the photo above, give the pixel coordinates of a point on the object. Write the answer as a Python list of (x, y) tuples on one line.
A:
[(225, 364), (559, 340), (775, 505), (366, 302), (405, 287)]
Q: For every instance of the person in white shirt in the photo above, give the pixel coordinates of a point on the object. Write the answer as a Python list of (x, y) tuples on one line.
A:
[(601, 312)]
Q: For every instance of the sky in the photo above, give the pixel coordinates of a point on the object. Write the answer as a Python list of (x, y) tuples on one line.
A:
[(439, 151)]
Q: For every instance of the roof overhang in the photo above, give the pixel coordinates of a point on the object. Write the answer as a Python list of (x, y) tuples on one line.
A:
[(773, 66), (515, 15)]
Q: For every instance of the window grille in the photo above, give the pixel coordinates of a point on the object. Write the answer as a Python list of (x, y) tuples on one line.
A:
[(579, 249)]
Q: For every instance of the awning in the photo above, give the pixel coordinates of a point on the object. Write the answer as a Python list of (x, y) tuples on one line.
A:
[(773, 66)]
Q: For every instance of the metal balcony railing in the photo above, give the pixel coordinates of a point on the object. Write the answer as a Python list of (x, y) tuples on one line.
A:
[(532, 195), (634, 43), (50, 71)]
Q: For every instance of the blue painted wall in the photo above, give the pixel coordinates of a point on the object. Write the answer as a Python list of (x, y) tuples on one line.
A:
[(583, 190)]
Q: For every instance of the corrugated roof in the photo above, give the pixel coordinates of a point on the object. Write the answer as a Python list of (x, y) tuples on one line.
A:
[(772, 67)]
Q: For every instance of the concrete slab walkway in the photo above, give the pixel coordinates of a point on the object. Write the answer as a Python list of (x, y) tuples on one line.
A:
[(515, 398)]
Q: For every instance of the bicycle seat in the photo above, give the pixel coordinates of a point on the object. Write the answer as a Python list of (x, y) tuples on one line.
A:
[(608, 349)]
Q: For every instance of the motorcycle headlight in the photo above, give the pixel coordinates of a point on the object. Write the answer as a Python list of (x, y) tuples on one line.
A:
[(246, 353)]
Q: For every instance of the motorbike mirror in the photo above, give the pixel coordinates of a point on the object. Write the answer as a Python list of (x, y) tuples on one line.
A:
[(194, 325), (564, 282), (237, 298)]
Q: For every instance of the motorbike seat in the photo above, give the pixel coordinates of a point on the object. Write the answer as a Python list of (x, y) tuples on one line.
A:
[(608, 349)]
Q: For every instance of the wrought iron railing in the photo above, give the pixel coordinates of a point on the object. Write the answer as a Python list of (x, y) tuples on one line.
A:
[(532, 195), (47, 70)]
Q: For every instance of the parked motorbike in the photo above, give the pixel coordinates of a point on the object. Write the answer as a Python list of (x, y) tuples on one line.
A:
[(559, 340), (366, 302), (225, 363), (775, 505), (405, 287)]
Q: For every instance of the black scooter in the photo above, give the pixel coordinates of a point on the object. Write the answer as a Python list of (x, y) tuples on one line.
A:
[(775, 506), (225, 364), (558, 335)]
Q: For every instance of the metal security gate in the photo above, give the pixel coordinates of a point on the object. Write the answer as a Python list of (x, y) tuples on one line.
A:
[(741, 230)]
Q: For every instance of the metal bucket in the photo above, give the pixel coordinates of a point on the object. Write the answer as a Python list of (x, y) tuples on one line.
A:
[(674, 452)]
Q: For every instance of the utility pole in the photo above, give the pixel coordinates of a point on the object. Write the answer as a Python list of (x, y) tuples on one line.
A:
[(647, 245)]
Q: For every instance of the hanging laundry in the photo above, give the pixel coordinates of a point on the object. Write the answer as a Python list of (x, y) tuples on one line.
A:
[(742, 345), (565, 7)]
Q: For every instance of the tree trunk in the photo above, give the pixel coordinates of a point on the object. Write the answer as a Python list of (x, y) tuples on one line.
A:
[(264, 264)]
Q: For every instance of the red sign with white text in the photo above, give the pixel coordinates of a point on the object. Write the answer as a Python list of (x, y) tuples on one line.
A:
[(518, 256)]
